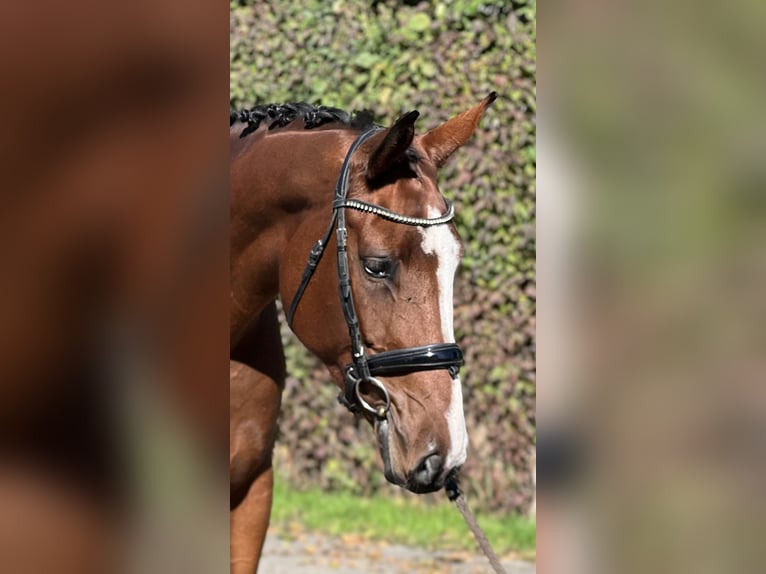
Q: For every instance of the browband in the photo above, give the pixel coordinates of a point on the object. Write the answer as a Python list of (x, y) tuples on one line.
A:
[(385, 213)]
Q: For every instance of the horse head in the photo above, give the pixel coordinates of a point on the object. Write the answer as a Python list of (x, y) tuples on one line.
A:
[(400, 251)]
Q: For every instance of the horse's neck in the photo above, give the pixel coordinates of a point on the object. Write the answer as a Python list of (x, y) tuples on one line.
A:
[(238, 144), (279, 182)]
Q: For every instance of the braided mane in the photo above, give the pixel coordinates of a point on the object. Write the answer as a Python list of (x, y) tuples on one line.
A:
[(280, 115)]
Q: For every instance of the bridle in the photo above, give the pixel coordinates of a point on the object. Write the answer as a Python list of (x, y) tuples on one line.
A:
[(388, 363), (364, 368)]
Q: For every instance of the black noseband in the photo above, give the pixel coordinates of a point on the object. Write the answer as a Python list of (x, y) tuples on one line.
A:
[(393, 363), (426, 358)]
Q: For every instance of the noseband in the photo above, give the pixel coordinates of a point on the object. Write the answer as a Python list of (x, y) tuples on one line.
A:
[(393, 363)]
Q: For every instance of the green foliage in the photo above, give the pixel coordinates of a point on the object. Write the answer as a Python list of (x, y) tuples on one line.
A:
[(441, 58)]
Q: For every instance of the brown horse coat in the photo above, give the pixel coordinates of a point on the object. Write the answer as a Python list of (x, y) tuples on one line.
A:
[(282, 182)]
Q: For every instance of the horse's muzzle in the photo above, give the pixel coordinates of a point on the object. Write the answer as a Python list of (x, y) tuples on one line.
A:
[(427, 476)]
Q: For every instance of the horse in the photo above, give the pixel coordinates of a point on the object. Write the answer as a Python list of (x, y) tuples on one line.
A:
[(309, 180)]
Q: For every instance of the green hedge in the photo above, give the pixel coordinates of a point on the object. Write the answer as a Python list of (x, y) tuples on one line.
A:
[(440, 58)]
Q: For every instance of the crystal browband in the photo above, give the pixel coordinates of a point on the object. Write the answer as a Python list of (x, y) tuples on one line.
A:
[(396, 217)]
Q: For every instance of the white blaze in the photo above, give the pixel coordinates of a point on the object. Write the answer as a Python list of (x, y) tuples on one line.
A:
[(439, 240)]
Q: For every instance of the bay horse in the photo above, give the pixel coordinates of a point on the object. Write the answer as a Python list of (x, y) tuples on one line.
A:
[(378, 314)]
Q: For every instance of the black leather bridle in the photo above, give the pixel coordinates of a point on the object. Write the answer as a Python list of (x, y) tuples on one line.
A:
[(365, 368)]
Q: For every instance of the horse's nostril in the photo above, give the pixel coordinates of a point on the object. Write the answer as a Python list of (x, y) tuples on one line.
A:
[(426, 473)]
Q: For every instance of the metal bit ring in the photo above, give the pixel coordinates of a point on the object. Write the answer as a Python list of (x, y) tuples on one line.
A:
[(382, 410)]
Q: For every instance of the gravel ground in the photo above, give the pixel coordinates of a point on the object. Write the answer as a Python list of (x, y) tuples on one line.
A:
[(316, 554)]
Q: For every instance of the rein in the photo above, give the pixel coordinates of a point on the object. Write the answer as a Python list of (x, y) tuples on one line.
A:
[(364, 368), (456, 495)]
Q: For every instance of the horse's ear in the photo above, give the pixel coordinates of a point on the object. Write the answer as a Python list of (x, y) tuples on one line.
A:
[(443, 140), (393, 146)]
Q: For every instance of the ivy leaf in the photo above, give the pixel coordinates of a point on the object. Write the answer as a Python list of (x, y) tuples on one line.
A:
[(365, 60), (419, 22)]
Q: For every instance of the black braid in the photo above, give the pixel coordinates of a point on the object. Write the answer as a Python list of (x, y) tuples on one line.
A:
[(281, 115)]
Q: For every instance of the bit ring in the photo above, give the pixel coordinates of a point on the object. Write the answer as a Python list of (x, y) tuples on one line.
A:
[(382, 410)]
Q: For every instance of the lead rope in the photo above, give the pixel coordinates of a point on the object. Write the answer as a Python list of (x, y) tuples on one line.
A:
[(456, 495)]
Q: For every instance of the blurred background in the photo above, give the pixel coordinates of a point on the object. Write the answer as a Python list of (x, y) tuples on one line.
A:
[(652, 265), (113, 287), (440, 58)]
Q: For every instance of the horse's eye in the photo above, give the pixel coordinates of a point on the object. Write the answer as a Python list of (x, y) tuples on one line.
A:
[(377, 268)]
